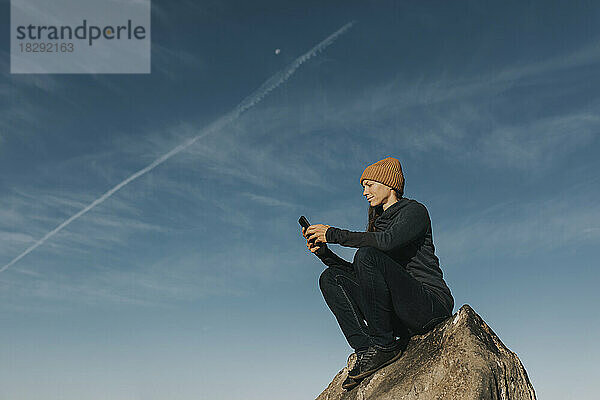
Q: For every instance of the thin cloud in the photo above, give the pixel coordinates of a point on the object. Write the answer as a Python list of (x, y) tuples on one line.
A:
[(269, 201), (31, 210), (540, 142), (524, 227), (188, 276), (586, 55)]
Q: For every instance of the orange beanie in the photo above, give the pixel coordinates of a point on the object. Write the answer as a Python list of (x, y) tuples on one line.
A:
[(387, 171)]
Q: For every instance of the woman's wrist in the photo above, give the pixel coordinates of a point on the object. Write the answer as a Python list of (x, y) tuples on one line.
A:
[(322, 250), (330, 234)]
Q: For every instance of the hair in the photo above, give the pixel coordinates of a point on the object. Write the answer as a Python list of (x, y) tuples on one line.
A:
[(375, 211)]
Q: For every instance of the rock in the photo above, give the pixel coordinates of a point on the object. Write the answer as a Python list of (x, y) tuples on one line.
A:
[(460, 359)]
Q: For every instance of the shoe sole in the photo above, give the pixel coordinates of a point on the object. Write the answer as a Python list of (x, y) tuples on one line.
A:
[(385, 364), (350, 387)]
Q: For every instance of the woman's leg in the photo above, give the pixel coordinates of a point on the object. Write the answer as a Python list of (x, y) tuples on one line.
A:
[(342, 294), (401, 332), (388, 289)]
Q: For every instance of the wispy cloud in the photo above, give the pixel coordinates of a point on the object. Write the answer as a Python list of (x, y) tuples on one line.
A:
[(107, 230), (522, 227), (269, 201), (540, 142), (587, 54), (179, 276)]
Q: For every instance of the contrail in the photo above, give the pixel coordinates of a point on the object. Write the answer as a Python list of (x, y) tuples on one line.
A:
[(249, 102)]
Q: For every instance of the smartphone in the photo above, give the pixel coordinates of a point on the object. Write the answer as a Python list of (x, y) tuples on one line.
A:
[(303, 222)]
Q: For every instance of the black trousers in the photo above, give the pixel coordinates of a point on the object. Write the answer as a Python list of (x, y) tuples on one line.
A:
[(381, 292)]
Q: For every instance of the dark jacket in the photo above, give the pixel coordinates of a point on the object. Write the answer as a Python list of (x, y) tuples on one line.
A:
[(403, 231)]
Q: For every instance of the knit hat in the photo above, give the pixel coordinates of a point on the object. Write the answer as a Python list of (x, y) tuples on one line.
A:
[(387, 171)]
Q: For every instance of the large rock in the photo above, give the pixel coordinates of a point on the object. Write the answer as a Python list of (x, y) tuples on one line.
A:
[(460, 359)]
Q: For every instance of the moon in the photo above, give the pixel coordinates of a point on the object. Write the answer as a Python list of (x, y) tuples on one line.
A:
[(277, 51)]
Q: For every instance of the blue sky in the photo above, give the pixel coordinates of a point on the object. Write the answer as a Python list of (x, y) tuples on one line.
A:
[(194, 282)]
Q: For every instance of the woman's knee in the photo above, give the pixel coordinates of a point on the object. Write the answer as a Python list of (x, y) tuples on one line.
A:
[(366, 257), (326, 280), (365, 252)]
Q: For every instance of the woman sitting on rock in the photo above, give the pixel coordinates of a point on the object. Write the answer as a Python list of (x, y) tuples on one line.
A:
[(394, 288)]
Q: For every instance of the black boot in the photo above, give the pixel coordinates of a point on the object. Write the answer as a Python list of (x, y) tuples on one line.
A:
[(372, 360)]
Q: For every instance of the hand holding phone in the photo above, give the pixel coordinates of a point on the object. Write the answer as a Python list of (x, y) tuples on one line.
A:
[(312, 246)]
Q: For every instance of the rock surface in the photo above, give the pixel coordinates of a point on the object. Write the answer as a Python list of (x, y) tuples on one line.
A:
[(461, 358)]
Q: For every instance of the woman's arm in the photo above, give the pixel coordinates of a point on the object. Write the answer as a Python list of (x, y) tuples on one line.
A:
[(410, 224), (329, 258), (325, 254)]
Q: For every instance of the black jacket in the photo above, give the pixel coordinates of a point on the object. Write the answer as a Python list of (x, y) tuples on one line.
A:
[(403, 231)]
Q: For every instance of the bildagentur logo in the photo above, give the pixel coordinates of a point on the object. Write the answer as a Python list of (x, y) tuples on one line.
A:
[(86, 32), (80, 36)]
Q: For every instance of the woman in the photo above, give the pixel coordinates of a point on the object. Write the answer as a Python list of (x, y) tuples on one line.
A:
[(394, 288)]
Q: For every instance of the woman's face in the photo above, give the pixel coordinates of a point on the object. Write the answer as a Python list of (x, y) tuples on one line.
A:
[(375, 192)]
